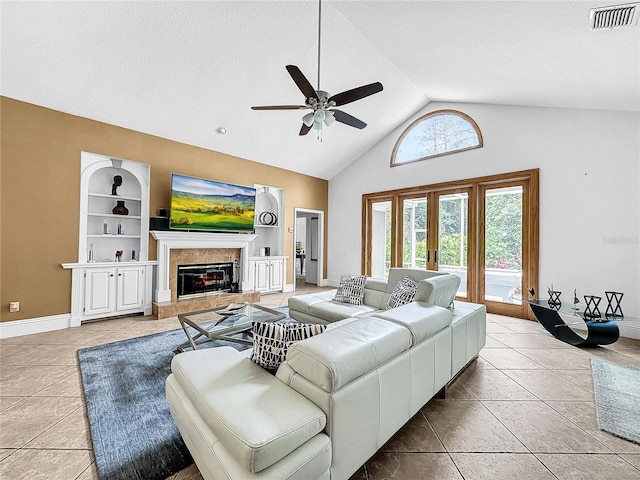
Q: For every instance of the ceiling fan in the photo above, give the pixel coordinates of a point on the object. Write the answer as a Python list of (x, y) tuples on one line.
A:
[(320, 102)]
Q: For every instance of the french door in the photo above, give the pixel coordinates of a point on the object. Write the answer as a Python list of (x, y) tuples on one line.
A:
[(435, 233), (484, 230)]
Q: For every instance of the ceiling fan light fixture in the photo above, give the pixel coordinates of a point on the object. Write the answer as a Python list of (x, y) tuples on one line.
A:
[(329, 119), (319, 115), (317, 125), (308, 119)]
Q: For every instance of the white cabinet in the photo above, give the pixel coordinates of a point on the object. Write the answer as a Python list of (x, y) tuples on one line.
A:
[(267, 274), (109, 290), (113, 274), (130, 288), (99, 291)]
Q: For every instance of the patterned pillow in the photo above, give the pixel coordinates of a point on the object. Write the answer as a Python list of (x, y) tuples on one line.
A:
[(351, 289), (272, 339), (403, 293)]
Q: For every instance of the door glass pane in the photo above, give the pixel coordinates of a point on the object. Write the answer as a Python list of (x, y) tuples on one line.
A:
[(414, 233), (503, 245), (380, 239), (453, 217)]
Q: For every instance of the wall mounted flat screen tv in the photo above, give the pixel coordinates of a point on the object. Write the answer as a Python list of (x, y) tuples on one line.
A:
[(206, 205)]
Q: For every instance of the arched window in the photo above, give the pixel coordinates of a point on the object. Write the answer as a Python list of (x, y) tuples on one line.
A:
[(437, 133)]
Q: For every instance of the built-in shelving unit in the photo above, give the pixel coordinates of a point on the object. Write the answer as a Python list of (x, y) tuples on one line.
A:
[(269, 200), (103, 283), (268, 273)]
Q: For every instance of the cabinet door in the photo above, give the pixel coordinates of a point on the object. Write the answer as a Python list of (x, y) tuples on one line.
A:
[(130, 287), (100, 291), (261, 276), (276, 274)]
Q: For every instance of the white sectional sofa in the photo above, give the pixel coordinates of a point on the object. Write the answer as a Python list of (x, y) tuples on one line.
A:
[(337, 398)]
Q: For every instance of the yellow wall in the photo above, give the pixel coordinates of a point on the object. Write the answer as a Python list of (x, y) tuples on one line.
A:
[(40, 186)]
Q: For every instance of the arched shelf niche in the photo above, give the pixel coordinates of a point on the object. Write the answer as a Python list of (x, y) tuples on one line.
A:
[(128, 233), (267, 212)]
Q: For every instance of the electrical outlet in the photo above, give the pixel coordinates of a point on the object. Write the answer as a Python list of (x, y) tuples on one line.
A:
[(14, 307)]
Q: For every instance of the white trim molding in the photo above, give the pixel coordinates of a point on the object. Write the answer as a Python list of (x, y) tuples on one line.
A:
[(28, 326)]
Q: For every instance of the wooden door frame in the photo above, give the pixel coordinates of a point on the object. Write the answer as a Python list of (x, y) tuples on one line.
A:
[(475, 247)]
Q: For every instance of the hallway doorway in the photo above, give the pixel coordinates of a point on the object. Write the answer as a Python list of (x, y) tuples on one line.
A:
[(308, 247)]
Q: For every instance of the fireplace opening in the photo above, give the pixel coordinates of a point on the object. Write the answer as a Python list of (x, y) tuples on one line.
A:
[(196, 280)]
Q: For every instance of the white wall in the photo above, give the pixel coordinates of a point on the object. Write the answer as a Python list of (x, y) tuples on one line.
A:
[(589, 191)]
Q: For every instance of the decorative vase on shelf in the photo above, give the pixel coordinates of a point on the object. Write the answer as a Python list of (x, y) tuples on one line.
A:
[(120, 209)]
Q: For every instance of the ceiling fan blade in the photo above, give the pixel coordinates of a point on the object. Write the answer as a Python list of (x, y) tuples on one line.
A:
[(304, 129), (301, 81), (347, 119), (356, 93), (280, 107)]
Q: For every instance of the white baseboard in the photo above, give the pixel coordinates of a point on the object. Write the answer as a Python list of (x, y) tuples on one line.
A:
[(288, 287), (28, 326)]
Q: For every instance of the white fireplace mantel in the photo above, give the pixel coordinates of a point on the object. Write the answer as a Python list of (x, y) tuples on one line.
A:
[(168, 240)]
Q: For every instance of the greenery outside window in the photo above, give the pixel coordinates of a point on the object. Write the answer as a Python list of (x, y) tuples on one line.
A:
[(437, 133)]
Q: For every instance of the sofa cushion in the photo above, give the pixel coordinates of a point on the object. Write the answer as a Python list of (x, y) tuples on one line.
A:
[(255, 416), (349, 351), (351, 289), (333, 311), (421, 319), (272, 339), (403, 292), (302, 303)]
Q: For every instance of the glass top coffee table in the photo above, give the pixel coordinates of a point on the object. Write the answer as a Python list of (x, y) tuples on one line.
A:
[(224, 323), (600, 331)]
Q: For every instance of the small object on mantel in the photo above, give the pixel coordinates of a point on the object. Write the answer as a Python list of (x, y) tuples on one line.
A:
[(118, 255)]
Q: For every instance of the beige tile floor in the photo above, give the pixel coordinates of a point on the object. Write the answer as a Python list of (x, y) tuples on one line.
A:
[(523, 410)]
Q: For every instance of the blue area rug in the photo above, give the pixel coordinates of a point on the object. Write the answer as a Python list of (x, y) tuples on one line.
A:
[(617, 393), (133, 434)]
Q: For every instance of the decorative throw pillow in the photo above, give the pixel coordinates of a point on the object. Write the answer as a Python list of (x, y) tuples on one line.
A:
[(403, 293), (351, 289), (272, 339)]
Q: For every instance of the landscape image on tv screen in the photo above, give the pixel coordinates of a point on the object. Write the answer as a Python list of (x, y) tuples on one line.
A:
[(199, 204)]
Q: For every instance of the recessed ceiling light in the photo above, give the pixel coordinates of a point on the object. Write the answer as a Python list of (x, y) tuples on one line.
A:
[(221, 130)]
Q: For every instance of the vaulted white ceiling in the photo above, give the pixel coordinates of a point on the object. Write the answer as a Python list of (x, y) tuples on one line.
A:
[(180, 69)]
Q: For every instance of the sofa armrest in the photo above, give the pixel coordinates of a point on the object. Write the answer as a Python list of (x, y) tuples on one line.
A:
[(439, 290)]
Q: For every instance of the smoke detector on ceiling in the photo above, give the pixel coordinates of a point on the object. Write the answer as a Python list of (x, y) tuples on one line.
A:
[(614, 16)]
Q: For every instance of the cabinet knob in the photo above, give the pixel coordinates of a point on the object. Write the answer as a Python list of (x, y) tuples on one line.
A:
[(111, 275)]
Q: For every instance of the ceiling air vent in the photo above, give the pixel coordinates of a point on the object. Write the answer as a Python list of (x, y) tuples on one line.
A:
[(614, 16)]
